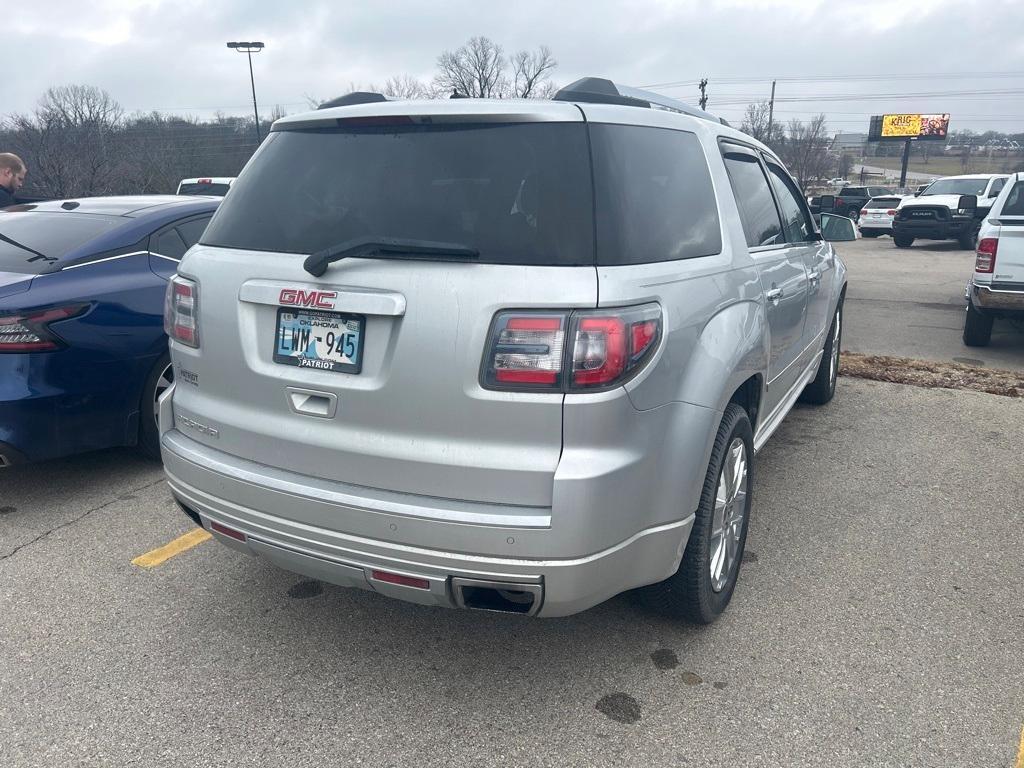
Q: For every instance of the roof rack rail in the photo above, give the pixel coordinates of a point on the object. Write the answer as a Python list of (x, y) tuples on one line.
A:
[(356, 97), (600, 90)]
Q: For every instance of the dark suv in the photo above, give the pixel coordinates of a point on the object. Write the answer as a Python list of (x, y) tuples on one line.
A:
[(850, 200)]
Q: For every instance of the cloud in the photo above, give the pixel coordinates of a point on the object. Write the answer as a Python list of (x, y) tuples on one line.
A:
[(171, 55)]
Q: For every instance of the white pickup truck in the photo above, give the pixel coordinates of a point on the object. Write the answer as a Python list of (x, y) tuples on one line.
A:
[(997, 286), (934, 213)]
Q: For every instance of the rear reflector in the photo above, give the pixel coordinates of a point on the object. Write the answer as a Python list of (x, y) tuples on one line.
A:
[(231, 532), (397, 578), (985, 258)]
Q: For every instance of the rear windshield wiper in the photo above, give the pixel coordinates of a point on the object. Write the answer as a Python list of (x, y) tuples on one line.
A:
[(36, 254), (390, 247)]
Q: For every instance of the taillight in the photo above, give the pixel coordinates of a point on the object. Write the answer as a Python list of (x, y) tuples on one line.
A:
[(891, 212), (31, 332), (985, 259), (569, 351), (181, 311), (863, 211)]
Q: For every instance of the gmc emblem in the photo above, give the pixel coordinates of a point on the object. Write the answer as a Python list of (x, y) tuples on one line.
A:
[(318, 299)]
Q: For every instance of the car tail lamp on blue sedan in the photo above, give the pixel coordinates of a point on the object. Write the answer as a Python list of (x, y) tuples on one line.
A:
[(31, 332)]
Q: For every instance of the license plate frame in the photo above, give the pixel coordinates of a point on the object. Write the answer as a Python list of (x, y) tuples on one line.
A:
[(335, 321)]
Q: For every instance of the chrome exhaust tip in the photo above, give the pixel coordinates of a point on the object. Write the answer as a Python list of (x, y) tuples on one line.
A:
[(497, 596)]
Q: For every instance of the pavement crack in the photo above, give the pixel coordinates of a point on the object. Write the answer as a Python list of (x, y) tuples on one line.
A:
[(78, 519)]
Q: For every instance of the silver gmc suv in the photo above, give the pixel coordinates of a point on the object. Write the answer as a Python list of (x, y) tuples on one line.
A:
[(499, 355)]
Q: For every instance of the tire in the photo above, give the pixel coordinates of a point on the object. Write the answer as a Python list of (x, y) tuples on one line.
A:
[(903, 241), (699, 591), (968, 241), (977, 327), (159, 379), (823, 387)]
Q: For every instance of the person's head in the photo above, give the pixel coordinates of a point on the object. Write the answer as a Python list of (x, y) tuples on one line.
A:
[(12, 172)]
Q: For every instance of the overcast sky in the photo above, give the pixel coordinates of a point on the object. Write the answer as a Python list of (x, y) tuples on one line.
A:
[(170, 56)]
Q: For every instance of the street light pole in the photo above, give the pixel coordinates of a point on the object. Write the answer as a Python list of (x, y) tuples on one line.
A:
[(249, 48)]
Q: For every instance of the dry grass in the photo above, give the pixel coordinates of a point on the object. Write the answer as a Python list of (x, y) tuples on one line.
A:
[(925, 373)]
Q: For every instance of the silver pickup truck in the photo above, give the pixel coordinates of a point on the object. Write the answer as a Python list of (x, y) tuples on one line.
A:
[(499, 355)]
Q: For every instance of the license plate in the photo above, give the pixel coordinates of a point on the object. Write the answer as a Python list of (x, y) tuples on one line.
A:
[(326, 341)]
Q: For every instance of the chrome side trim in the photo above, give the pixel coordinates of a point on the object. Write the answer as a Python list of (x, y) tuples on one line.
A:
[(769, 425), (100, 261)]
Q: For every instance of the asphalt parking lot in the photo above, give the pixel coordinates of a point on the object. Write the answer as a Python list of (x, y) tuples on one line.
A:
[(878, 622), (909, 302)]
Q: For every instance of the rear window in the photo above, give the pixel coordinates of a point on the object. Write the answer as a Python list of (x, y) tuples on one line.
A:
[(42, 239), (203, 189), (517, 193), (882, 202), (1014, 205), (654, 198)]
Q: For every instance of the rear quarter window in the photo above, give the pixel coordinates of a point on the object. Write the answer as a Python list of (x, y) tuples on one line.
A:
[(1014, 205), (654, 200)]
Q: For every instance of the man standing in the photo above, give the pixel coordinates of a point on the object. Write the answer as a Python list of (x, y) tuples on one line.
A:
[(12, 176)]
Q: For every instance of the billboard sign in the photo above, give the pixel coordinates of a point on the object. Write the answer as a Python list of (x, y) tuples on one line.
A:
[(915, 126)]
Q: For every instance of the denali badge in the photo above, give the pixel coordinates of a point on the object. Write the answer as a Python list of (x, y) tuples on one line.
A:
[(198, 427), (318, 299)]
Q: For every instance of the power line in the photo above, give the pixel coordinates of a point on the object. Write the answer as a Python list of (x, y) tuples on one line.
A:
[(735, 80)]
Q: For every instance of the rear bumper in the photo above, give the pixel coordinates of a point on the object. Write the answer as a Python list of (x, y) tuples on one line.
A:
[(934, 230), (994, 299), (564, 585)]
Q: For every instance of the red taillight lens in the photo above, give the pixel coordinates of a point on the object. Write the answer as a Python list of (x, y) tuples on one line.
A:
[(30, 331), (891, 212), (529, 351), (863, 211), (985, 259), (181, 311), (599, 354)]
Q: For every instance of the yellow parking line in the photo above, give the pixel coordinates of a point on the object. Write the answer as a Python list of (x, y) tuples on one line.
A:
[(176, 547), (1020, 751)]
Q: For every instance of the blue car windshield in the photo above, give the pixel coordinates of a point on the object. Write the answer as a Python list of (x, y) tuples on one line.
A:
[(34, 242)]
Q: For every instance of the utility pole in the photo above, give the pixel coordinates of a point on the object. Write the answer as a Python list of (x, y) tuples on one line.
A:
[(703, 93), (771, 113)]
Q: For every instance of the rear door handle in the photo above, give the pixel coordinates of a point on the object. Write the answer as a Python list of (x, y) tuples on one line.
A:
[(309, 402), (814, 276), (774, 295)]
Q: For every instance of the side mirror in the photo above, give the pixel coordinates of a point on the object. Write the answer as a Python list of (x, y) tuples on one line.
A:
[(837, 229), (826, 202), (918, 193), (967, 203)]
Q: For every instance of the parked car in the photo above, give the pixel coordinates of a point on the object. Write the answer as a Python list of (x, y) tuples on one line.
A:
[(518, 356), (937, 214), (83, 354), (838, 182), (997, 288), (850, 200), (216, 186), (877, 214)]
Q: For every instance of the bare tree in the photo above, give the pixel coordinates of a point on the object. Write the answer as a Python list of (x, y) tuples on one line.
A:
[(755, 123), (70, 141), (805, 149), (406, 87), (530, 72), (476, 69)]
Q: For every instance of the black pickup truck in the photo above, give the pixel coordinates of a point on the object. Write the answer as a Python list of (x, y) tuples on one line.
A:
[(849, 200)]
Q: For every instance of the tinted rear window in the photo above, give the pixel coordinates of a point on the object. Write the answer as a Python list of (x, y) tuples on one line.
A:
[(1014, 205), (517, 193), (203, 189), (882, 202), (854, 192), (51, 235), (655, 201)]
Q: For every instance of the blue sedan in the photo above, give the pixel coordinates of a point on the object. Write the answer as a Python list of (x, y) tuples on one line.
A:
[(83, 355)]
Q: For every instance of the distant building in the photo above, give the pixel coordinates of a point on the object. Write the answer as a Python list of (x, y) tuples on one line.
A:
[(845, 142)]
